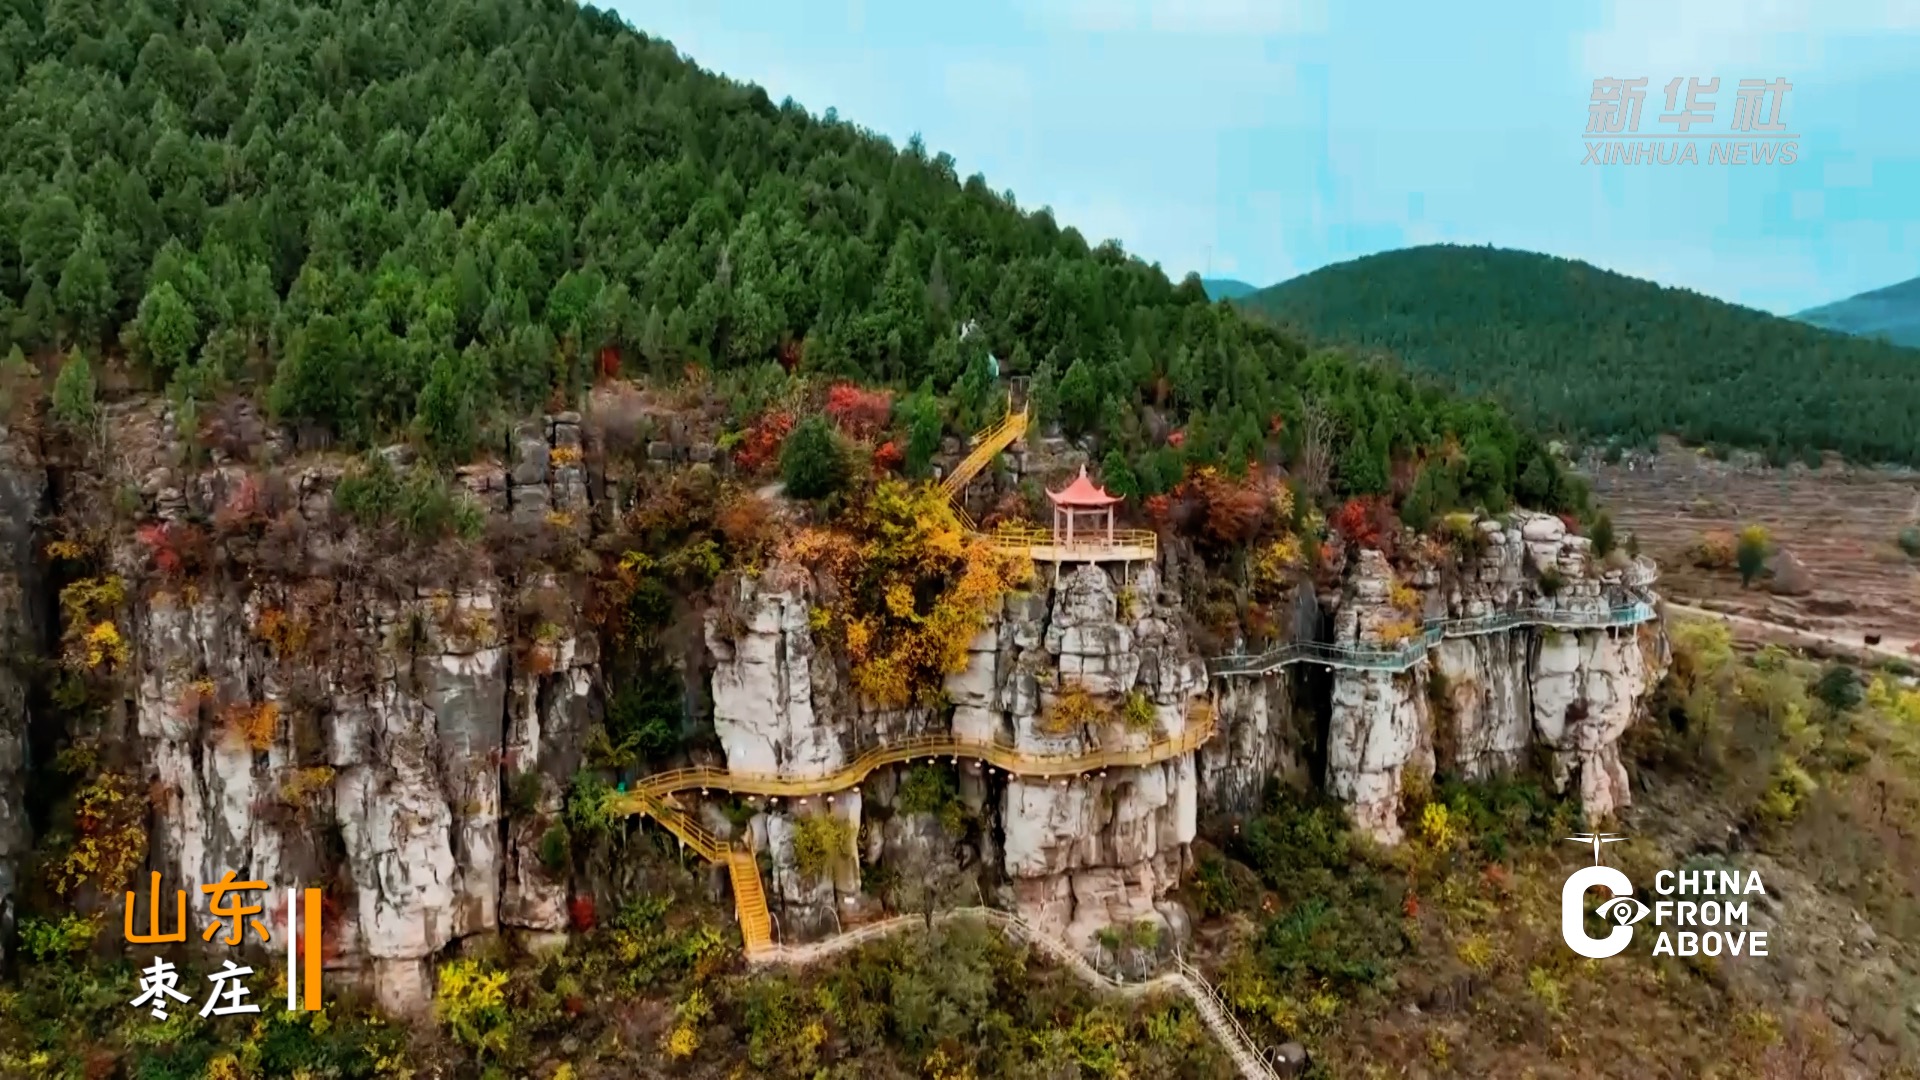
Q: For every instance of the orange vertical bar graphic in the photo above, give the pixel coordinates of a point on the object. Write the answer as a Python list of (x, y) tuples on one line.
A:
[(310, 962)]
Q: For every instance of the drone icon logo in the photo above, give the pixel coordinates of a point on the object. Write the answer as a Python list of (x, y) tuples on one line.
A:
[(1596, 840), (1622, 909)]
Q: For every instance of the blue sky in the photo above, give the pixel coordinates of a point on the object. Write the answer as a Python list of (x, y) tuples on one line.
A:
[(1259, 139)]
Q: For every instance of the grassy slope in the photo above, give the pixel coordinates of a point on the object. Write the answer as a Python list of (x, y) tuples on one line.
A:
[(1444, 957)]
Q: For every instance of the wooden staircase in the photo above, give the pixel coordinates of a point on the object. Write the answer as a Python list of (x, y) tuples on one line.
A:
[(749, 898), (750, 902), (986, 446)]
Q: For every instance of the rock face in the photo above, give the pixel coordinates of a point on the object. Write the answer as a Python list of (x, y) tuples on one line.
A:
[(318, 722), (335, 731), (23, 486), (1476, 703), (1075, 856)]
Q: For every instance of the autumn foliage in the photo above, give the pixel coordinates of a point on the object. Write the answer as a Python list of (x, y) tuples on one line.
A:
[(1366, 522), (1222, 511), (176, 549), (759, 448), (580, 913), (909, 589), (862, 414)]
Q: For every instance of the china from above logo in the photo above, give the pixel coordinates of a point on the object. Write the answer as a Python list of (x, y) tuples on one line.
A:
[(1623, 910)]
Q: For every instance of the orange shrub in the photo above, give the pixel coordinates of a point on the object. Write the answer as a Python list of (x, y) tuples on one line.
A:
[(1075, 708), (1366, 522), (1714, 550), (256, 725), (284, 633), (759, 448)]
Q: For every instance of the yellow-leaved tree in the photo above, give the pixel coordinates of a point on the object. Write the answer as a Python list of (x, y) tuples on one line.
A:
[(911, 589)]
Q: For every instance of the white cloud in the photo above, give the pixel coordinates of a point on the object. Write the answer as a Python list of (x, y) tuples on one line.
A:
[(1733, 38), (1259, 18)]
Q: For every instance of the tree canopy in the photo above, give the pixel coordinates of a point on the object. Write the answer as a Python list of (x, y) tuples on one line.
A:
[(1585, 351), (383, 216)]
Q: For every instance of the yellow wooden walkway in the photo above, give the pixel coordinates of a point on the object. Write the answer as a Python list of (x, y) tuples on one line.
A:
[(654, 795), (1041, 545), (986, 446)]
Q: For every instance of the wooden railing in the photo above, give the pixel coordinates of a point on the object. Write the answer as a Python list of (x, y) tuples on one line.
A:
[(987, 445), (651, 793), (1036, 542), (653, 796)]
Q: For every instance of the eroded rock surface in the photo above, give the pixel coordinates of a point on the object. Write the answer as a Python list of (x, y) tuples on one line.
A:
[(408, 749)]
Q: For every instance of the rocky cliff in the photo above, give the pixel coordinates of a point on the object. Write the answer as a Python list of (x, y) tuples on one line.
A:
[(1482, 700), (307, 707), (1090, 660), (23, 484)]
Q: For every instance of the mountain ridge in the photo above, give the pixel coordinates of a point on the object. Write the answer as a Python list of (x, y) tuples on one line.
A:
[(1227, 288), (1891, 312), (1586, 351)]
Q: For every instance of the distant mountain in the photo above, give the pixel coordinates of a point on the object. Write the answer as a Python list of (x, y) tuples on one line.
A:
[(1590, 352), (1892, 314), (1227, 288)]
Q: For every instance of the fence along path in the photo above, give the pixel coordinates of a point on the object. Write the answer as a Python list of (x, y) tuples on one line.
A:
[(653, 795), (1364, 658), (1207, 1002)]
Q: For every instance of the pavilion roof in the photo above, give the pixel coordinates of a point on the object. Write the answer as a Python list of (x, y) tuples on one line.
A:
[(1083, 493)]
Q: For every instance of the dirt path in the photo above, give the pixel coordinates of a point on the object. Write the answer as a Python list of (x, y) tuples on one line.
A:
[(1889, 648)]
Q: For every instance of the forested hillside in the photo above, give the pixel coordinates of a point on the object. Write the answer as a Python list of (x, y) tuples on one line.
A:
[(1892, 314), (386, 218), (1591, 352), (1227, 288)]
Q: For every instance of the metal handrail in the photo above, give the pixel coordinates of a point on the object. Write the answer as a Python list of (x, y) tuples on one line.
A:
[(1432, 633), (1225, 1009)]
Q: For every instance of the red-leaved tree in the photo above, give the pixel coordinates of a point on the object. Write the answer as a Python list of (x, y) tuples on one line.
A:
[(862, 414), (1366, 522), (760, 448)]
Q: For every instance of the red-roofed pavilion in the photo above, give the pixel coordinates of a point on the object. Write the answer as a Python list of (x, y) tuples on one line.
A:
[(1082, 498)]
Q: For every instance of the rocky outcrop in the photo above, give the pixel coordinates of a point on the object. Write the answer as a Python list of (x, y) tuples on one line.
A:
[(1477, 703), (338, 730), (314, 715), (1074, 855)]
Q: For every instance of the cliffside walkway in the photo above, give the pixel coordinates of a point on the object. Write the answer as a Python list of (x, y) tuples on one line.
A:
[(1041, 545), (1363, 658), (986, 446), (654, 795), (1213, 1009)]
